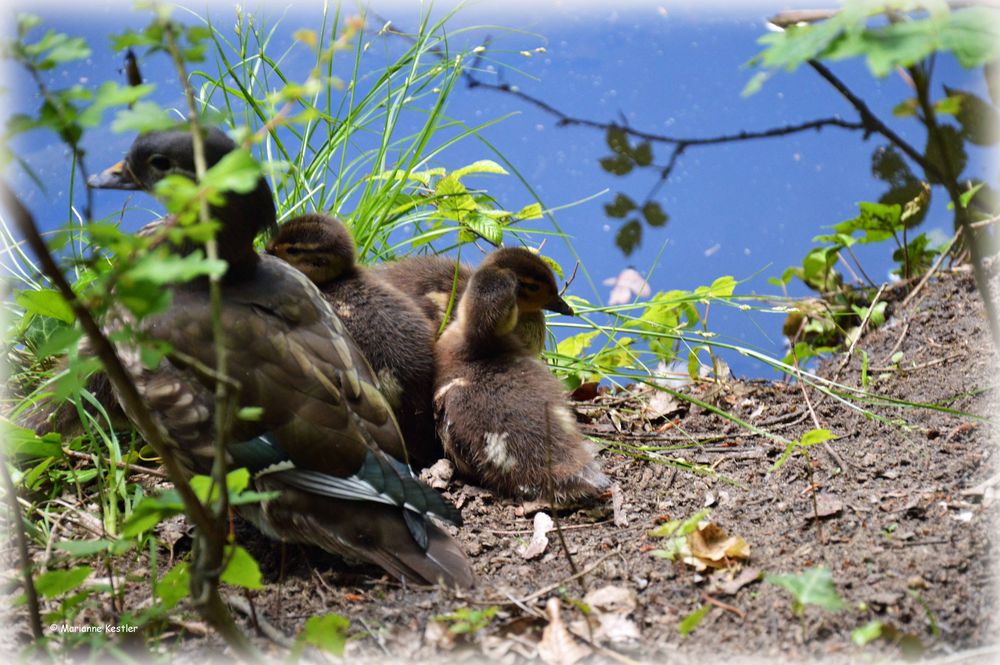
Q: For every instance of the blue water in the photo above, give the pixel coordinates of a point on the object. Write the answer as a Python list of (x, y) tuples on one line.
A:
[(745, 209)]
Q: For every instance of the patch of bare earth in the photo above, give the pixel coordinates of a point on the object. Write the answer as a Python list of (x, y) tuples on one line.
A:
[(907, 527)]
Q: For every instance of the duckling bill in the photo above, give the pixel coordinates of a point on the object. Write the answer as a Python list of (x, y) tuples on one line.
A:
[(501, 414), (326, 437), (392, 332)]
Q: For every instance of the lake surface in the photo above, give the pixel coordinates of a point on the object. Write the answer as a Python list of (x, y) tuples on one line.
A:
[(743, 209)]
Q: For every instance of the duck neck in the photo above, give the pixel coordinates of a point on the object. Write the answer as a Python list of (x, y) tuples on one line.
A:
[(241, 219)]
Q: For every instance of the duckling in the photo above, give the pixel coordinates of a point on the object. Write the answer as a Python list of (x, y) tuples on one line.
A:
[(395, 336), (500, 412), (326, 437), (430, 280)]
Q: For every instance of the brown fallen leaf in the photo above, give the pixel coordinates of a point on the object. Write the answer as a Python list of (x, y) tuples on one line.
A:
[(712, 546), (558, 646), (732, 586)]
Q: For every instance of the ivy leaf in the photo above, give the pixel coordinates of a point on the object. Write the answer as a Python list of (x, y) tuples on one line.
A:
[(621, 206), (654, 214), (45, 302), (629, 236)]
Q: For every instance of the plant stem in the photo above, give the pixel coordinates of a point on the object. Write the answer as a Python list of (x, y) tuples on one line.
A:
[(34, 616)]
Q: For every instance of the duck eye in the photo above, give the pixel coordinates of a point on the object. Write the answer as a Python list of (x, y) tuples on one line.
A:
[(530, 287), (159, 162), (292, 250)]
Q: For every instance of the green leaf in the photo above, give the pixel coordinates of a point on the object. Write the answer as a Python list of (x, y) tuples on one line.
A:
[(167, 268), (174, 586), (900, 44), (144, 117), (242, 570), (111, 94), (466, 620), (238, 171), (621, 206), (691, 621), (867, 633), (45, 302), (452, 195), (574, 345), (619, 165), (57, 582), (530, 211), (654, 214), (950, 161), (252, 413), (629, 236), (978, 119), (617, 140), (327, 632), (643, 154), (22, 441), (813, 586), (481, 166), (485, 227), (86, 548), (973, 35), (814, 436)]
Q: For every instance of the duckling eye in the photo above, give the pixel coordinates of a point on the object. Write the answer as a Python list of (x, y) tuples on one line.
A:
[(530, 287), (292, 250), (159, 162)]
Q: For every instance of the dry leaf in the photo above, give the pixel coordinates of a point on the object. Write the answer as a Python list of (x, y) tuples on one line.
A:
[(558, 646), (730, 587), (439, 474), (712, 546), (611, 598), (539, 541)]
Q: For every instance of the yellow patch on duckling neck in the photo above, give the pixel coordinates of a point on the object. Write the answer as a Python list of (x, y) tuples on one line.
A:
[(508, 323)]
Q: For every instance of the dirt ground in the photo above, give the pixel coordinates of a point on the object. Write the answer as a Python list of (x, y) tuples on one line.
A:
[(906, 498)]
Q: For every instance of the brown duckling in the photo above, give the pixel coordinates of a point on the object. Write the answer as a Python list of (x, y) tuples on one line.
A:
[(429, 280), (391, 331), (501, 414)]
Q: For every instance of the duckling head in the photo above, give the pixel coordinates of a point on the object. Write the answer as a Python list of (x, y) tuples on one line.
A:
[(536, 285), (488, 308), (320, 247), (155, 155)]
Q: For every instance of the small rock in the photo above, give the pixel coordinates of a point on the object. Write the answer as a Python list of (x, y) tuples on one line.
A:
[(439, 474)]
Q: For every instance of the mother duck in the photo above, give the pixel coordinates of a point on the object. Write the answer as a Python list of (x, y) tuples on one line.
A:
[(326, 438)]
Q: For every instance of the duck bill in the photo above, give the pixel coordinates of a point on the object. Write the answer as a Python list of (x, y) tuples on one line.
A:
[(559, 305), (114, 177)]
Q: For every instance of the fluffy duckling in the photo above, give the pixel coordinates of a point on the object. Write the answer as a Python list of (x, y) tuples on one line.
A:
[(429, 280), (501, 414), (391, 331), (326, 438)]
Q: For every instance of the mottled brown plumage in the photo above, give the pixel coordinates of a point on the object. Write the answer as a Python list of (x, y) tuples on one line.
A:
[(430, 281), (326, 437), (501, 414), (391, 331)]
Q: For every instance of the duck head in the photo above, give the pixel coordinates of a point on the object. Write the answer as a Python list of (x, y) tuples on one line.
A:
[(318, 246), (536, 286), (155, 155)]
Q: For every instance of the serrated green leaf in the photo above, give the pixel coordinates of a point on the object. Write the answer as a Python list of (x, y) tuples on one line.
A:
[(617, 140), (643, 154), (327, 632), (484, 226), (618, 165), (654, 214), (45, 302), (629, 236), (574, 345), (973, 35), (530, 211)]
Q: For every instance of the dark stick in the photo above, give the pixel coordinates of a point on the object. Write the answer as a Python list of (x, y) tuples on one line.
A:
[(34, 616)]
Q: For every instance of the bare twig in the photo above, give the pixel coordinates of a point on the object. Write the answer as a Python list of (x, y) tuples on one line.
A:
[(121, 465)]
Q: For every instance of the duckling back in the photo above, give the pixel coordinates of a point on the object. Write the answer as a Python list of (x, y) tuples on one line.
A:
[(390, 329), (501, 414)]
